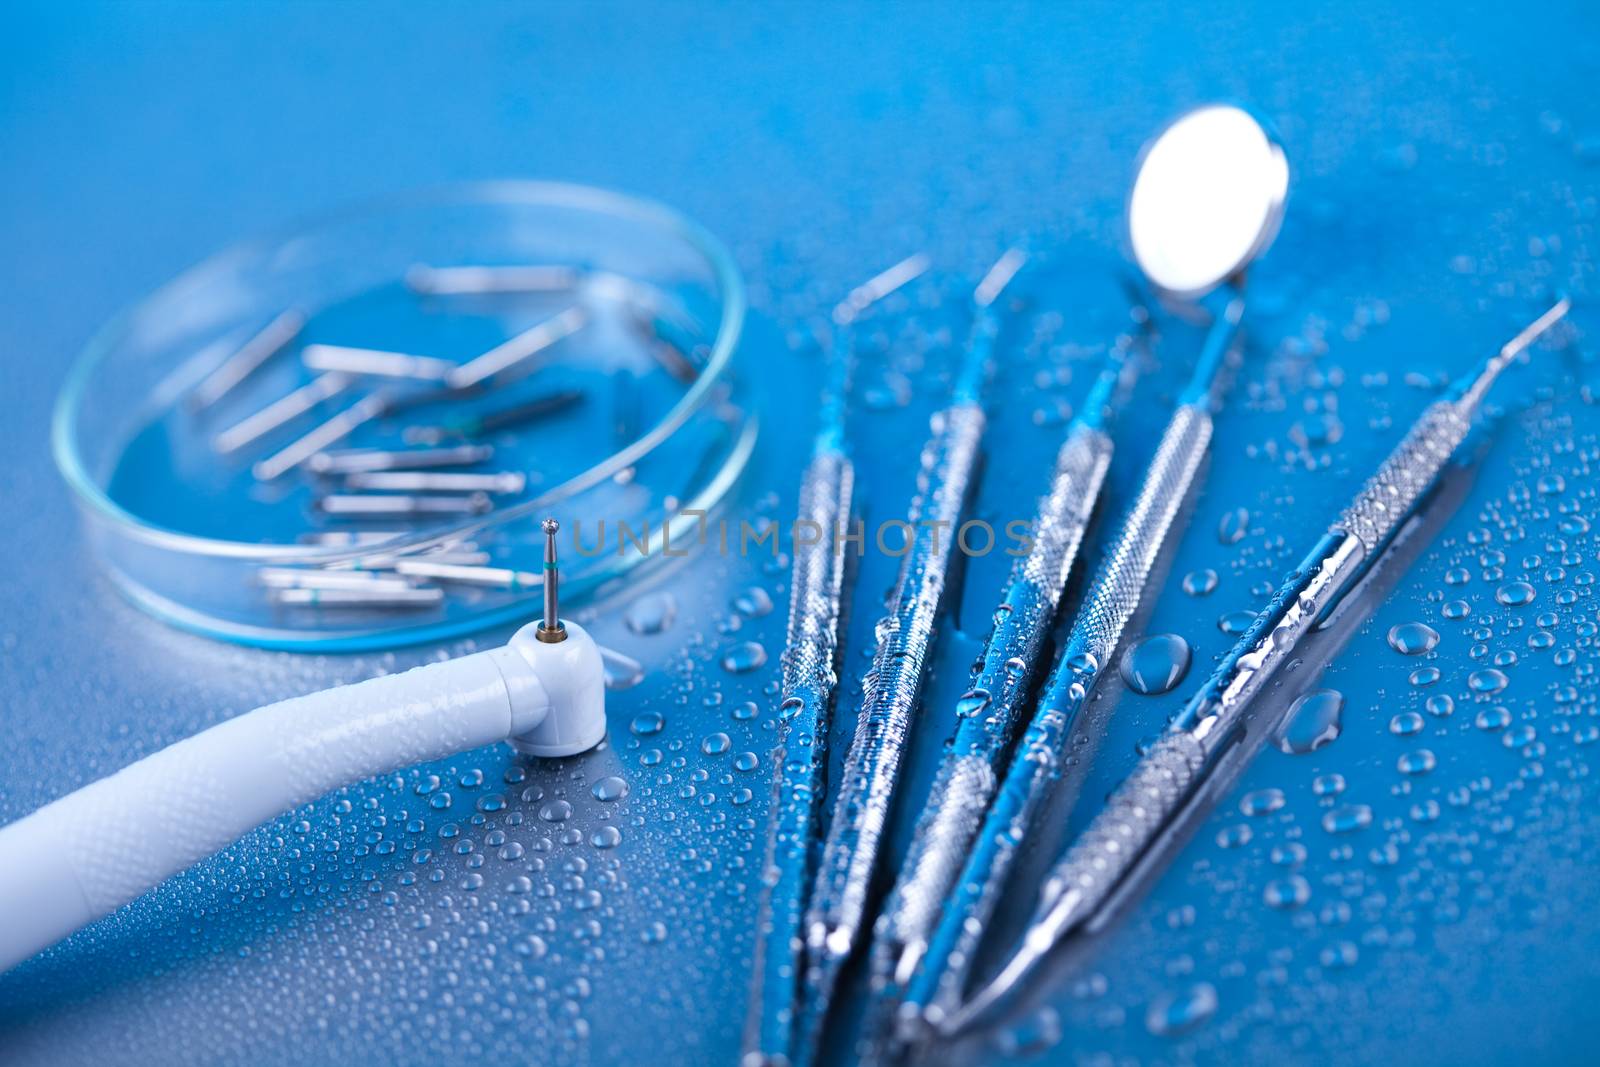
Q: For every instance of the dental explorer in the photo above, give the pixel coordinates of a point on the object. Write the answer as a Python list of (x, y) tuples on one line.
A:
[(893, 684), (85, 855), (1077, 892), (962, 851), (816, 590)]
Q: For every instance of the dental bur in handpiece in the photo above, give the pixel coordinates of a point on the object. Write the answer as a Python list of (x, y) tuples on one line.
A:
[(1076, 895), (816, 589)]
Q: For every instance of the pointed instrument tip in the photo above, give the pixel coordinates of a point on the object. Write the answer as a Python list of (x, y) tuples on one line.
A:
[(1473, 394)]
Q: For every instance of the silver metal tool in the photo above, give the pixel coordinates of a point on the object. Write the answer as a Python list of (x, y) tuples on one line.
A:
[(519, 349), (1076, 893), (281, 411), (804, 711), (361, 460), (836, 915), (976, 819), (376, 362), (274, 338), (438, 481)]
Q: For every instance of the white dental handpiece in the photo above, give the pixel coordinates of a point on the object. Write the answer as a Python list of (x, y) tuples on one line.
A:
[(90, 852)]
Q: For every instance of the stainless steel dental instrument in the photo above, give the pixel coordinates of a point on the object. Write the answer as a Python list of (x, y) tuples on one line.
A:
[(468, 574), (362, 460), (469, 281), (375, 362), (808, 682), (502, 482), (519, 349), (274, 338), (387, 504), (336, 429), (837, 911), (281, 411), (1075, 896), (960, 855), (473, 426), (325, 597)]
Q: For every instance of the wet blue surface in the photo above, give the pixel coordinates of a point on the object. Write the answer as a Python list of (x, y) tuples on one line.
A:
[(1378, 904)]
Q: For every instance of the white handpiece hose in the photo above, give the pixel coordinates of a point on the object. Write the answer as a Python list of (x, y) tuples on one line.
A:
[(94, 850)]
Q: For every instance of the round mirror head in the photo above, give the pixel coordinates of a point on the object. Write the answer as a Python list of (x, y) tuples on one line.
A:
[(1207, 200)]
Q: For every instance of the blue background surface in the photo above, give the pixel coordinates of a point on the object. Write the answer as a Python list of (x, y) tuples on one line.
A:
[(1445, 168)]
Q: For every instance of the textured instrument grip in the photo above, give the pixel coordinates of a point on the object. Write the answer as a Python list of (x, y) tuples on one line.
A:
[(100, 847), (894, 683), (1410, 469), (800, 760), (1120, 834), (986, 719)]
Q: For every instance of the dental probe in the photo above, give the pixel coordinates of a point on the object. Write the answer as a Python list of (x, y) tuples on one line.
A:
[(85, 855), (816, 589), (985, 714), (935, 957), (1075, 896), (893, 685)]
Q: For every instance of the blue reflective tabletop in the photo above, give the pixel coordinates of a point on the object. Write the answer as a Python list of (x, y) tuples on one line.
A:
[(1420, 889)]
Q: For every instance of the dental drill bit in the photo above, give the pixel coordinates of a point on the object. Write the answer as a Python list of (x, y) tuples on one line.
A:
[(934, 962), (1076, 894), (375, 362), (273, 338), (551, 631), (519, 349), (809, 663), (893, 685)]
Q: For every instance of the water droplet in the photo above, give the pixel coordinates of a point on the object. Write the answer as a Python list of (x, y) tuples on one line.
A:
[(753, 603), (744, 657), (606, 837), (1413, 638), (1405, 724), (1493, 719), (1261, 802), (610, 788), (1200, 583), (651, 613), (972, 703), (1314, 720), (1234, 525), (1419, 762), (1178, 1013), (556, 811), (1235, 623), (1286, 894), (647, 722), (1514, 594), (1487, 681), (1156, 664), (715, 744), (1348, 819)]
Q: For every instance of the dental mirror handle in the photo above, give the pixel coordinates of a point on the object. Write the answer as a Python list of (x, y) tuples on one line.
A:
[(88, 853)]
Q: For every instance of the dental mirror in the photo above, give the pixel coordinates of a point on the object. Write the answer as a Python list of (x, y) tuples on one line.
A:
[(1207, 200)]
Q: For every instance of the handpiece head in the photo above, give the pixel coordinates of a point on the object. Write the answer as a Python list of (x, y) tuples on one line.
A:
[(1206, 201), (566, 679)]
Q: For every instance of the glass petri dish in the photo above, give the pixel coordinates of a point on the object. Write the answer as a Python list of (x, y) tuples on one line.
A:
[(346, 437)]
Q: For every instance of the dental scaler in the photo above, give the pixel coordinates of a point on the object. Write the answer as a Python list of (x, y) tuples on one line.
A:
[(90, 852), (1077, 896)]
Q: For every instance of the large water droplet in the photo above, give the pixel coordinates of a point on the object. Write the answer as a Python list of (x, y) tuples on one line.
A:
[(610, 788), (1200, 583), (744, 657), (1234, 525), (1314, 721), (1156, 664), (651, 613), (1413, 638), (1514, 594)]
